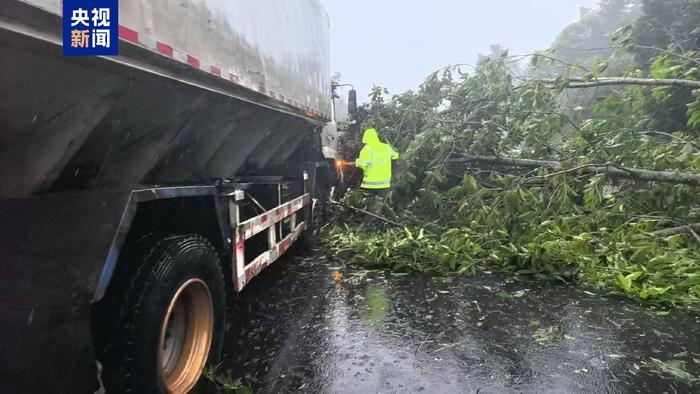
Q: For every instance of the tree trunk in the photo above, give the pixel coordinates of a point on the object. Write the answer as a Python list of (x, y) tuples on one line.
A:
[(611, 170)]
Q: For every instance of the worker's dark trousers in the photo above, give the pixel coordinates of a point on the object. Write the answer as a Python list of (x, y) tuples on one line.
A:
[(376, 197)]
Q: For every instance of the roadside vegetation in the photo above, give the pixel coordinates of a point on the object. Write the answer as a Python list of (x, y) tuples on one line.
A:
[(582, 166)]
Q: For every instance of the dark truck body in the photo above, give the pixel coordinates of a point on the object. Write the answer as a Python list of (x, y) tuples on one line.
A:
[(95, 152)]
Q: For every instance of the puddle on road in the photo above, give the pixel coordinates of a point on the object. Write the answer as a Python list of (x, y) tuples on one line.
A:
[(296, 328)]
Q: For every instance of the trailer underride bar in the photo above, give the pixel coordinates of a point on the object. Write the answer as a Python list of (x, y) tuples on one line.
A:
[(243, 272)]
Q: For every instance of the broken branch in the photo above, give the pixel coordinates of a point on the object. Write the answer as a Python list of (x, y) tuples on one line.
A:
[(611, 170), (575, 83), (685, 229)]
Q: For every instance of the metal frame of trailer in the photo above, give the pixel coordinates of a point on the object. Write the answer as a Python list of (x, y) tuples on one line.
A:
[(232, 194)]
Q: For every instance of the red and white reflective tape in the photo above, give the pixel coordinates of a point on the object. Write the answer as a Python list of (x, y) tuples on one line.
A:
[(169, 51), (267, 258), (255, 225), (239, 255), (249, 228)]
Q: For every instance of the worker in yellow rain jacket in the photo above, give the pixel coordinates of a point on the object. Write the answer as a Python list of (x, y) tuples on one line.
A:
[(375, 162)]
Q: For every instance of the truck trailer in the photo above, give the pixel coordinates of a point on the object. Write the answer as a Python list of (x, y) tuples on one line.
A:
[(136, 189)]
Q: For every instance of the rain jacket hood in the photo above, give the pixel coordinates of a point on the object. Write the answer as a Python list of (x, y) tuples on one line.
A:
[(370, 137)]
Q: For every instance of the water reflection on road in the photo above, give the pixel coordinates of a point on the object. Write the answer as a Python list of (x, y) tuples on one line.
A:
[(297, 329)]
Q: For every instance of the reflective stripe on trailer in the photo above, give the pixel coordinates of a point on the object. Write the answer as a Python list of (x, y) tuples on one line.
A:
[(259, 223), (245, 272)]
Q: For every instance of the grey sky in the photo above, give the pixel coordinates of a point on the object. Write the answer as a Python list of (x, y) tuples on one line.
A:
[(397, 43)]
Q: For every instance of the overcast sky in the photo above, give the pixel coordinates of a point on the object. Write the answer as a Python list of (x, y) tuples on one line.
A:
[(397, 43)]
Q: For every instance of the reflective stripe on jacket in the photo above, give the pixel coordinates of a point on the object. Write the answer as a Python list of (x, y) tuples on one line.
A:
[(375, 161)]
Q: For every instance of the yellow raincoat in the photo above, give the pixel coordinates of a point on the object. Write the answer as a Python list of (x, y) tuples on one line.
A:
[(375, 161)]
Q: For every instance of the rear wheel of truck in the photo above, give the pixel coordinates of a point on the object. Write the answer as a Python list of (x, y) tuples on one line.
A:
[(172, 321)]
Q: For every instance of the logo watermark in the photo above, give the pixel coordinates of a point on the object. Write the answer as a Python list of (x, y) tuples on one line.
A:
[(90, 28)]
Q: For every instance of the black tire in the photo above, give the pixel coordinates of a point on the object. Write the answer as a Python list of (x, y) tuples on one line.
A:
[(169, 280)]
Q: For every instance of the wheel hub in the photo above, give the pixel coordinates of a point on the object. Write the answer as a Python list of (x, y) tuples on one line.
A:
[(186, 336)]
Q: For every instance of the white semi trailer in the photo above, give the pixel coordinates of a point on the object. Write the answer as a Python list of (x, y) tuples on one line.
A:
[(134, 189)]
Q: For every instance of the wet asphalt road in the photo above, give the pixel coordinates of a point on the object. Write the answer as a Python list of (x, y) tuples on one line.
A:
[(296, 329)]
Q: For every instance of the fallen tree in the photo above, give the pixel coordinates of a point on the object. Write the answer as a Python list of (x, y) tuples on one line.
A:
[(484, 183)]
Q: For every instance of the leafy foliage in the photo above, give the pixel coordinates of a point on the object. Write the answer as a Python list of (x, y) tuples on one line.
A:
[(675, 368), (553, 223), (669, 28), (224, 383)]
